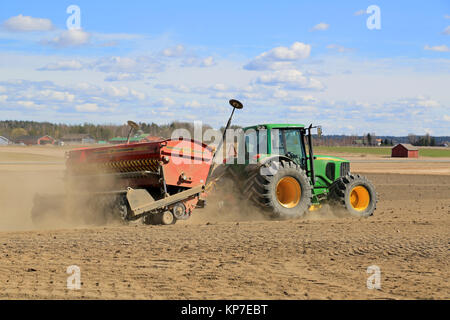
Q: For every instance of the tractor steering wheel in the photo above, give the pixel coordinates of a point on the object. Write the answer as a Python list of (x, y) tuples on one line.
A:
[(291, 155)]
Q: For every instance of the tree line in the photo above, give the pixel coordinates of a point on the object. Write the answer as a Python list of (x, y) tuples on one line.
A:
[(426, 140), (12, 129)]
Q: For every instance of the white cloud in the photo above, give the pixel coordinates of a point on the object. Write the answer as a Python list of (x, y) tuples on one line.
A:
[(123, 92), (338, 48), (117, 64), (174, 88), (278, 94), (193, 104), (320, 27), (208, 62), (447, 16), (3, 98), (27, 104), (442, 48), (53, 95), (446, 117), (309, 99), (303, 109), (446, 31), (124, 77), (87, 107), (198, 62), (420, 101), (290, 79), (69, 38), (119, 92), (279, 57), (67, 65), (127, 65), (138, 95), (165, 102), (176, 51), (219, 87), (22, 23), (428, 103), (190, 60), (360, 13)]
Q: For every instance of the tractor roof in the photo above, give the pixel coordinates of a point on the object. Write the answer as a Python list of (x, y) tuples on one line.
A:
[(276, 126)]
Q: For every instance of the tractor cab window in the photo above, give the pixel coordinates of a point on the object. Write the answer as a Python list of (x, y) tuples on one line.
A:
[(286, 141), (250, 142), (278, 142), (255, 143), (293, 142)]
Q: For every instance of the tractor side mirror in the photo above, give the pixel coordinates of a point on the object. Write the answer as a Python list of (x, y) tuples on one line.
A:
[(319, 131)]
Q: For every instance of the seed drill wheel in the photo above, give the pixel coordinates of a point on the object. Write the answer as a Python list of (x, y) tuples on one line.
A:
[(355, 193), (164, 218), (150, 219), (284, 190), (167, 218)]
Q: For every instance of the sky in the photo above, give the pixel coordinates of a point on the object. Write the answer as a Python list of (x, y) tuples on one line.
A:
[(351, 66)]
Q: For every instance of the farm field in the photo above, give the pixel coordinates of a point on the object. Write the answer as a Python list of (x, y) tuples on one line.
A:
[(233, 255), (435, 152), (27, 153)]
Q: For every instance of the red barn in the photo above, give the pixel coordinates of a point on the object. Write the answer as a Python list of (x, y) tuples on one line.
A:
[(45, 140), (405, 150)]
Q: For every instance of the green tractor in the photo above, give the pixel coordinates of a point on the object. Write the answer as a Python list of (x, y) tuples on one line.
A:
[(278, 171)]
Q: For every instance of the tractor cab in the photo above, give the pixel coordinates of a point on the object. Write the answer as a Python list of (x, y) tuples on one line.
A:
[(291, 141), (275, 139)]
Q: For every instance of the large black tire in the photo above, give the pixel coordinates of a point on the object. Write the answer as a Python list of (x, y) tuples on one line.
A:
[(354, 193), (284, 191)]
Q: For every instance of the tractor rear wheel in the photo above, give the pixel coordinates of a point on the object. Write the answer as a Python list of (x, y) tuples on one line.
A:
[(355, 193), (284, 190)]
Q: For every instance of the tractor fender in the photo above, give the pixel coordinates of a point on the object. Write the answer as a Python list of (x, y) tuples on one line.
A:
[(274, 157)]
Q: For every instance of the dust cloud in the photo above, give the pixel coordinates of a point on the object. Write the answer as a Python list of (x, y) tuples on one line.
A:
[(226, 203), (36, 198), (18, 187), (33, 199)]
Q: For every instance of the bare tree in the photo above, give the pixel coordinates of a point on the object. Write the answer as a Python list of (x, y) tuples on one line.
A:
[(412, 139)]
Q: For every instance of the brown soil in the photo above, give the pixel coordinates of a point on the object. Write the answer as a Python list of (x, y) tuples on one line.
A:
[(228, 255)]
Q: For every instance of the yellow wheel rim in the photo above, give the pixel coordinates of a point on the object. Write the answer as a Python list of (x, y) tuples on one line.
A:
[(288, 192), (359, 198)]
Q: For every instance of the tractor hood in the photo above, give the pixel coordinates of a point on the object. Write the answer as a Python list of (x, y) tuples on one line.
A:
[(328, 168)]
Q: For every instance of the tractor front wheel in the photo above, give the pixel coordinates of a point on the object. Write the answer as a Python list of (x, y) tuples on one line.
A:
[(355, 193)]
